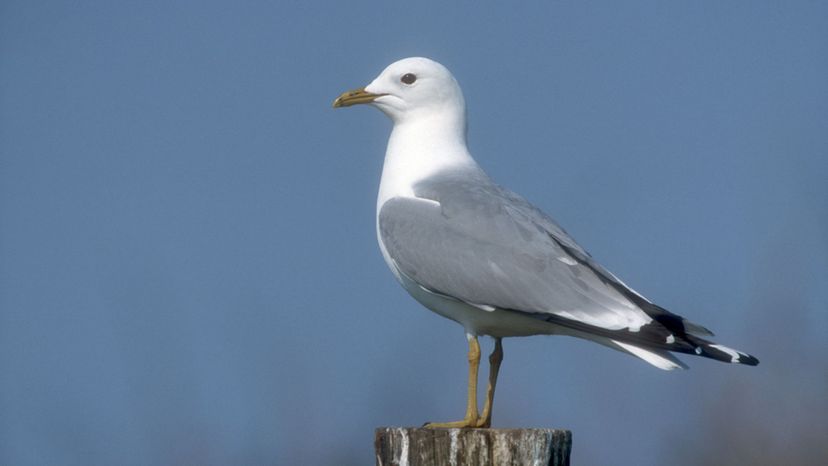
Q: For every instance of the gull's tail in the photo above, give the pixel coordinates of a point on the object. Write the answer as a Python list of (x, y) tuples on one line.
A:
[(667, 361), (654, 342), (663, 359), (722, 353)]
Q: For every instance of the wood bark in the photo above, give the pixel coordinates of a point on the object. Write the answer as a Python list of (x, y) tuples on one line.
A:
[(414, 446)]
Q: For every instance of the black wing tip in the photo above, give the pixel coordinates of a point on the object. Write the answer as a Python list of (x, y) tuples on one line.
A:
[(725, 354), (748, 360)]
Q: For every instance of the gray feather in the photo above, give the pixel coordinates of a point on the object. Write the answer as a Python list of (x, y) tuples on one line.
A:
[(483, 244)]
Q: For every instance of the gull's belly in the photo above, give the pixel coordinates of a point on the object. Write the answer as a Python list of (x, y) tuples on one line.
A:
[(496, 323)]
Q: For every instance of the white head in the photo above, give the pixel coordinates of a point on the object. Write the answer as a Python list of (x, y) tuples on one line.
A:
[(426, 104), (411, 89)]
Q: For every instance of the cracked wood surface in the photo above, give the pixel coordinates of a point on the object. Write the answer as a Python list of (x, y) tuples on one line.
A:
[(414, 446)]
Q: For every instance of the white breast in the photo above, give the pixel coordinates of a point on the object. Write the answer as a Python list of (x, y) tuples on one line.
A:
[(416, 151)]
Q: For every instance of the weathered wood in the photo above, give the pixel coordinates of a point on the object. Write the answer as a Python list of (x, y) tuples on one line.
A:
[(412, 446)]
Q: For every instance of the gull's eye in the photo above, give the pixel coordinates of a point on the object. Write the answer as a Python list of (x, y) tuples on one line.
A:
[(408, 78)]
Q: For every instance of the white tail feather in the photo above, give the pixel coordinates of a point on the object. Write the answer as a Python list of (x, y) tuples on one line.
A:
[(659, 358)]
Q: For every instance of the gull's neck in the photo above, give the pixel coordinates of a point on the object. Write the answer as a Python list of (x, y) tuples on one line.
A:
[(420, 147)]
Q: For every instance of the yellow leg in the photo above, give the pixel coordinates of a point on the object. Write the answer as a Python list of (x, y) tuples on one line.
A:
[(470, 420), (494, 367)]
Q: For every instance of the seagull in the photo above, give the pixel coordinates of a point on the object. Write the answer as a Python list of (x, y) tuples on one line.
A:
[(484, 257)]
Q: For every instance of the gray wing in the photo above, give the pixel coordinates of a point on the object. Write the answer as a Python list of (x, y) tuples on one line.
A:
[(467, 238), (470, 239)]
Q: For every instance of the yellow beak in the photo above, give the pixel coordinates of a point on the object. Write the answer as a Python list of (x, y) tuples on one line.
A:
[(357, 96)]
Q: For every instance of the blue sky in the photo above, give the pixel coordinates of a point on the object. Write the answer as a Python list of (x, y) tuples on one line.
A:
[(188, 263)]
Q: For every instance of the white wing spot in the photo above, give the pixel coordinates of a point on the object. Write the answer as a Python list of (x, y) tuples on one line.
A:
[(610, 319), (734, 355), (484, 307), (671, 339), (568, 260)]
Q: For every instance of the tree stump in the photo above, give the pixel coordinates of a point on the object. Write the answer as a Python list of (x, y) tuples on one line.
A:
[(415, 446)]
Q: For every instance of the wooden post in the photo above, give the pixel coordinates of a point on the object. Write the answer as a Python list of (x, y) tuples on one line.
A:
[(414, 446)]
